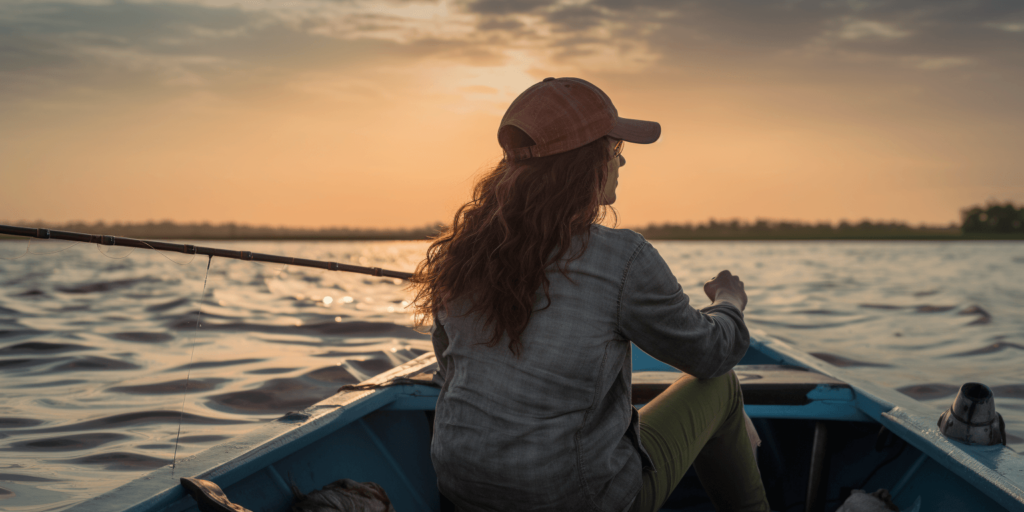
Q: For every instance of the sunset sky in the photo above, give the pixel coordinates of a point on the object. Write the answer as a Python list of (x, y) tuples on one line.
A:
[(312, 113)]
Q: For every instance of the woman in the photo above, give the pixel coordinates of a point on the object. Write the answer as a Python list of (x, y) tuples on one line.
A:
[(534, 305)]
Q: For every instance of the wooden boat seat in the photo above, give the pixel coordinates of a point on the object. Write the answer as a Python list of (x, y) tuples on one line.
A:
[(763, 384), (768, 384)]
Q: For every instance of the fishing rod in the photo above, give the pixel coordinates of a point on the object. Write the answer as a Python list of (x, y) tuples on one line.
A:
[(195, 249)]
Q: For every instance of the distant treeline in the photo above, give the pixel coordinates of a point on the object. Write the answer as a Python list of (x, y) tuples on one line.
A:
[(772, 230), (994, 221)]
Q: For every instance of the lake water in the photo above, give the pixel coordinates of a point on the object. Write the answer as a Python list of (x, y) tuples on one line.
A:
[(95, 346)]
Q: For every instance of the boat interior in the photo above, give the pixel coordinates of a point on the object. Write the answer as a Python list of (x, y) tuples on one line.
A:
[(818, 445)]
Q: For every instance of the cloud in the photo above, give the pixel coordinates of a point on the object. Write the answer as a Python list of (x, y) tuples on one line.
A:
[(936, 63), (1008, 27), (504, 6), (500, 24), (102, 46), (574, 19), (215, 44), (171, 49), (853, 30)]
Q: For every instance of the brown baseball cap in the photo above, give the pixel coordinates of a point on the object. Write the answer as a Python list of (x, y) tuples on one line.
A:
[(561, 114)]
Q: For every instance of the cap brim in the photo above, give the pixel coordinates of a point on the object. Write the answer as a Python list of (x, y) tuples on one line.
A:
[(635, 131)]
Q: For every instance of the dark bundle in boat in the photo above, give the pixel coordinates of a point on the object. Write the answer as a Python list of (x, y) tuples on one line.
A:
[(343, 496)]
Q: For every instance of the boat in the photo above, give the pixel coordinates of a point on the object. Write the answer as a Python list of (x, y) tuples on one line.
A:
[(824, 431)]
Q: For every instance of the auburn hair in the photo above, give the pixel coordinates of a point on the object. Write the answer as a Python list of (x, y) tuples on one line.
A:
[(523, 218)]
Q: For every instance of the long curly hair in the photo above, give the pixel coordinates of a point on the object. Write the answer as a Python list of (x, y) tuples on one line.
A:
[(523, 218)]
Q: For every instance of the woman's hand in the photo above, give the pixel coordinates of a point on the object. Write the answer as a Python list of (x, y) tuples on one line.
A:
[(726, 287)]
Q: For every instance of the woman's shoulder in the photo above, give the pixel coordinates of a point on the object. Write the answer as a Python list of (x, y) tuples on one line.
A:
[(614, 235), (614, 244)]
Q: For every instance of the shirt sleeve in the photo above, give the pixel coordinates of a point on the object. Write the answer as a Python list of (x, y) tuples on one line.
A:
[(656, 315), (439, 338)]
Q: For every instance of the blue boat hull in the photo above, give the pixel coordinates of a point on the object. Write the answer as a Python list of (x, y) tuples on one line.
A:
[(824, 433)]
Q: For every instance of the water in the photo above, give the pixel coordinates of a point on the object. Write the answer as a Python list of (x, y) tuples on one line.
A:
[(94, 347)]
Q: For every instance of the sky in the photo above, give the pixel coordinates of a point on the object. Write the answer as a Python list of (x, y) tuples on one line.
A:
[(380, 114)]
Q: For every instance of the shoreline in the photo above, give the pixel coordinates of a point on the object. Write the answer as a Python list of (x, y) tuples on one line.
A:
[(709, 238), (711, 231)]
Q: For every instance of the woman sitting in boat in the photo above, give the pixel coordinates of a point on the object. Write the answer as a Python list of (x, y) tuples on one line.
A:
[(534, 305)]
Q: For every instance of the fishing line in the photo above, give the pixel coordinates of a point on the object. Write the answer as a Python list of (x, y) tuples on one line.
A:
[(161, 253), (28, 251), (99, 248), (22, 255), (271, 265), (188, 374)]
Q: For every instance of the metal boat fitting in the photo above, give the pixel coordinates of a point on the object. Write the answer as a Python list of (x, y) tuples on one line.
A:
[(972, 419)]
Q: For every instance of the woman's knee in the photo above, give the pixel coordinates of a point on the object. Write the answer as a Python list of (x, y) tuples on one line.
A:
[(728, 383), (689, 391)]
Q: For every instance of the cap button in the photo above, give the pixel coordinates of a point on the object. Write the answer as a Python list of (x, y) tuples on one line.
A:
[(548, 79)]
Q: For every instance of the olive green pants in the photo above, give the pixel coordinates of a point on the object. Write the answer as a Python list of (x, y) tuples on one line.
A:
[(700, 422)]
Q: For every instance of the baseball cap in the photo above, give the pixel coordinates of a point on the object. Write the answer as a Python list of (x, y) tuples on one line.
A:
[(561, 114)]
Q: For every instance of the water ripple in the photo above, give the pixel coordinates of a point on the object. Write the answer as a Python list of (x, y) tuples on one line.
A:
[(845, 362), (67, 443), (998, 346), (172, 386), (107, 286), (121, 461), (41, 347), (143, 337), (120, 421)]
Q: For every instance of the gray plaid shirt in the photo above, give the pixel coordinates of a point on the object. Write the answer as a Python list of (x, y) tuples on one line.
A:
[(554, 429)]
